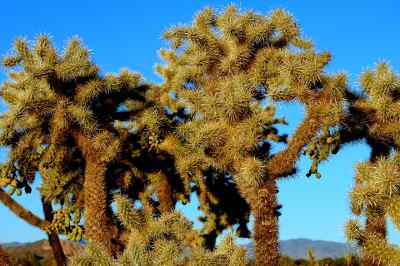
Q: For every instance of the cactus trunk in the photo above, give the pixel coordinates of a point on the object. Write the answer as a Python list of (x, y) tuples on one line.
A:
[(376, 224), (98, 222), (164, 193), (22, 212), (54, 240), (266, 232)]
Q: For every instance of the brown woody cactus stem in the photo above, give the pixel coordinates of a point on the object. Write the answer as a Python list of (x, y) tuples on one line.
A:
[(164, 193), (21, 212), (34, 220), (266, 232), (97, 218), (97, 213), (282, 164), (54, 240), (266, 225), (376, 224)]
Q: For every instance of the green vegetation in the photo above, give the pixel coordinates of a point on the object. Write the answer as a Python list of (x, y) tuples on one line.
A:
[(98, 139)]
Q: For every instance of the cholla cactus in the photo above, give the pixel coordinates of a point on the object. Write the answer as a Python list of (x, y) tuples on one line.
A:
[(160, 184), (376, 193), (374, 116), (59, 123), (166, 240), (380, 110), (86, 135), (222, 68)]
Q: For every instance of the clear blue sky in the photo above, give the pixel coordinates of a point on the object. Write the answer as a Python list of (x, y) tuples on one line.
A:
[(127, 34)]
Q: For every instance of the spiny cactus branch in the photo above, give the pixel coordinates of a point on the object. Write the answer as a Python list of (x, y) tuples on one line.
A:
[(22, 212)]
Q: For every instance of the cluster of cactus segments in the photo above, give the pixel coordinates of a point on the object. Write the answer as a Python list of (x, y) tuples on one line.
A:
[(154, 141), (10, 180), (320, 149), (66, 222)]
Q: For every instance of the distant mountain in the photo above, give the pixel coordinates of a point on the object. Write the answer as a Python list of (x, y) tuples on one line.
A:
[(11, 244), (294, 248), (297, 248), (41, 248)]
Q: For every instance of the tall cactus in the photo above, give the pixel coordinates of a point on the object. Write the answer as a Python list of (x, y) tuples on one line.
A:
[(60, 111), (222, 68), (87, 134), (373, 116), (375, 194)]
